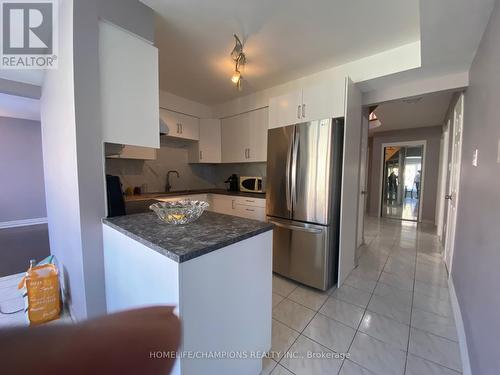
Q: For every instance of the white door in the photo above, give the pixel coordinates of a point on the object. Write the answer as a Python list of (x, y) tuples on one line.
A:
[(443, 178), (189, 127), (234, 135), (325, 100), (285, 109), (350, 182), (452, 196), (210, 141), (362, 178), (180, 125), (257, 143), (129, 88)]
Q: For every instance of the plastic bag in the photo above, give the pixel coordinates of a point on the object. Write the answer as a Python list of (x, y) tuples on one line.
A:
[(41, 293)]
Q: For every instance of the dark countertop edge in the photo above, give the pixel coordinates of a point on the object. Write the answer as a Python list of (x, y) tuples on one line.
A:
[(193, 192), (186, 257)]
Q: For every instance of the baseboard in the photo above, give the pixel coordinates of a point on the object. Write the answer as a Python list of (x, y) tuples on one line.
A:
[(462, 341), (23, 223)]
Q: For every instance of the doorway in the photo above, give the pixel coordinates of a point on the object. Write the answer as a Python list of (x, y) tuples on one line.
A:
[(402, 181)]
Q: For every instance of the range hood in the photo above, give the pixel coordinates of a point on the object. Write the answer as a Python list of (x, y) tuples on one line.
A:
[(163, 127)]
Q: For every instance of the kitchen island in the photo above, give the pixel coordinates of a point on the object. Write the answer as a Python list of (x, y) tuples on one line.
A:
[(217, 271)]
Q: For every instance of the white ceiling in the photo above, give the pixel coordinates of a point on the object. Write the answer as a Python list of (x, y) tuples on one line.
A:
[(451, 31), (430, 110), (19, 107), (284, 40)]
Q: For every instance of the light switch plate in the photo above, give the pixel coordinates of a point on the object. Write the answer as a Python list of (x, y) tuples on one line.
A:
[(474, 157)]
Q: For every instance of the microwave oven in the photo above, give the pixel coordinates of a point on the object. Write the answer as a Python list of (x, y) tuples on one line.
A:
[(251, 184)]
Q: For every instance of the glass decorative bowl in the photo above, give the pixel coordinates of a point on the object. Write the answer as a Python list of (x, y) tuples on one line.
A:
[(179, 212)]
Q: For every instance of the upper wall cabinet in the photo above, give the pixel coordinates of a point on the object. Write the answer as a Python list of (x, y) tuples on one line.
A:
[(208, 149), (317, 102), (180, 125), (129, 88), (244, 137)]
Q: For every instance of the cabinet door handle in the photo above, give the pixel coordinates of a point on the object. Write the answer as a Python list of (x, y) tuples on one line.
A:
[(178, 128), (249, 201), (181, 128), (201, 155), (249, 209), (298, 111), (232, 204), (248, 153), (303, 110)]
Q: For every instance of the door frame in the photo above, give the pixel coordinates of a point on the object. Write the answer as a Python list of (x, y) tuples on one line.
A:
[(443, 180), (451, 221), (363, 177), (422, 143)]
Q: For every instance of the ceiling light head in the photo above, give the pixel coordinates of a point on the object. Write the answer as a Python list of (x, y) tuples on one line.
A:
[(236, 77)]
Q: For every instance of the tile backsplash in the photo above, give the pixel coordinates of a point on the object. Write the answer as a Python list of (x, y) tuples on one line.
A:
[(175, 157)]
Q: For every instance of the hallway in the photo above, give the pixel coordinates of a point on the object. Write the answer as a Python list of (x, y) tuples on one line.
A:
[(393, 315)]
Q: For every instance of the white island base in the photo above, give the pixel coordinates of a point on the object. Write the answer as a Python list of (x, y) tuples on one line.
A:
[(224, 299)]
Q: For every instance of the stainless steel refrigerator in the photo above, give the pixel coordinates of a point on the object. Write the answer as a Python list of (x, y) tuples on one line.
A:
[(304, 169)]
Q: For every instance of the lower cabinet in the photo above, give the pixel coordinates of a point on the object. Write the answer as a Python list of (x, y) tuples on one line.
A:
[(249, 208), (194, 197), (250, 212)]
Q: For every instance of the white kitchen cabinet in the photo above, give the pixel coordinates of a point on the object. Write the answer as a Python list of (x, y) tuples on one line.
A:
[(315, 102), (285, 109), (129, 89), (257, 139), (244, 137), (221, 204), (208, 148), (234, 138), (325, 100), (250, 208), (180, 125), (135, 152), (249, 212)]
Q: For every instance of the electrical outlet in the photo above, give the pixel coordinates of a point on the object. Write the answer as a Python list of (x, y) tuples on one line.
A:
[(474, 157)]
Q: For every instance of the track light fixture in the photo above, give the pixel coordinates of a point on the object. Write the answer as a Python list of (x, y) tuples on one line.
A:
[(239, 59)]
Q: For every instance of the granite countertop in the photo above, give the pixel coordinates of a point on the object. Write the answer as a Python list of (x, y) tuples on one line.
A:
[(146, 196), (181, 243)]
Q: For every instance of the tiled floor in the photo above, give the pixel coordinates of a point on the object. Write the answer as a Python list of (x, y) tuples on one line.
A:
[(393, 314)]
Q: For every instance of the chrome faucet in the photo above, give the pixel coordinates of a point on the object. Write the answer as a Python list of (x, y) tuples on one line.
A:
[(167, 185)]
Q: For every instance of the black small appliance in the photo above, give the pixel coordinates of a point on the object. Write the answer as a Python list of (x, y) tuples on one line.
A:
[(232, 182)]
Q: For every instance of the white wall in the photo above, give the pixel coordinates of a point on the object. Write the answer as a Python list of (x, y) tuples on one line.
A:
[(22, 192), (186, 106), (60, 164), (73, 149), (389, 62)]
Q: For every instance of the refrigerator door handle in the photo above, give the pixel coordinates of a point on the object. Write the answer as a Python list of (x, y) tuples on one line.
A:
[(287, 176), (294, 167), (295, 227)]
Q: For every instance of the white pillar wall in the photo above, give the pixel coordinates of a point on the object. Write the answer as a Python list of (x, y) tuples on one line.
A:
[(73, 149)]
